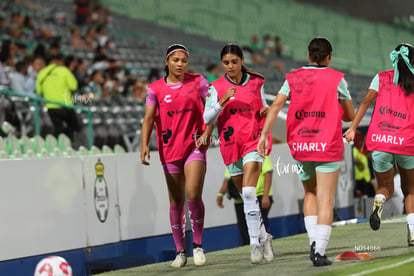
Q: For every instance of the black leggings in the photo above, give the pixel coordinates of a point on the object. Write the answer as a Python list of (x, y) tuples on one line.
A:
[(64, 120)]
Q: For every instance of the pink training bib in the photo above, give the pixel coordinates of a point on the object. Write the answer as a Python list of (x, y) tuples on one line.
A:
[(392, 124), (314, 127), (180, 119), (239, 123)]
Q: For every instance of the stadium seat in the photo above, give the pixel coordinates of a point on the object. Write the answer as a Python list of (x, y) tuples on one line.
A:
[(25, 144), (63, 142), (3, 154), (82, 151), (106, 149), (13, 146), (37, 143), (94, 150), (50, 143), (119, 149)]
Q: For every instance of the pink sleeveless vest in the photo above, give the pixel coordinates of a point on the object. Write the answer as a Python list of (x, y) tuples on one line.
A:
[(314, 127), (392, 124), (180, 118), (239, 123)]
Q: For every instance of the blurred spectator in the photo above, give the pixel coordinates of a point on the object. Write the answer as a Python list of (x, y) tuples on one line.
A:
[(94, 87), (102, 63), (81, 11), (56, 83), (255, 43), (103, 39), (268, 45), (139, 90), (54, 49), (279, 47), (35, 65), (101, 35), (213, 72), (251, 58), (4, 28), (153, 75), (33, 32), (75, 39), (89, 38), (71, 62), (40, 51), (20, 81), (99, 15), (80, 73), (7, 52)]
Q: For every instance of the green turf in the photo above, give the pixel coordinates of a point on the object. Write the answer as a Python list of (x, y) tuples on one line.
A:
[(388, 245)]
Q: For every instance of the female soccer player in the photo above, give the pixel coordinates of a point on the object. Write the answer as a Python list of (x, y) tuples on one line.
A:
[(391, 133), (175, 104), (236, 101), (318, 98)]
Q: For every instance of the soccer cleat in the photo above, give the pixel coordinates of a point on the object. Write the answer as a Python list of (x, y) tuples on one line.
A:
[(268, 252), (375, 218), (312, 251), (410, 237), (256, 253), (319, 260), (180, 259), (198, 256)]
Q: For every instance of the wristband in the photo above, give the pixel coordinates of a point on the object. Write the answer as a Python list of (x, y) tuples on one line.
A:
[(220, 194)]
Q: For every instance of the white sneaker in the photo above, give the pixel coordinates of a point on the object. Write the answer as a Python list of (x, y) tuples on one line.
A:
[(256, 253), (198, 256), (410, 237), (375, 218), (268, 252), (180, 259)]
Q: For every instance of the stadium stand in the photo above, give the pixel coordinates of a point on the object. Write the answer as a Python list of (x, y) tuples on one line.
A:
[(138, 32)]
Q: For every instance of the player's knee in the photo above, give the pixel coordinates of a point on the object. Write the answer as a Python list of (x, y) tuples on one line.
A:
[(249, 194)]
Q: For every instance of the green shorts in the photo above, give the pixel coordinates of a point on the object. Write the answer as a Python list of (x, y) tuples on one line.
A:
[(236, 168), (307, 169), (384, 161)]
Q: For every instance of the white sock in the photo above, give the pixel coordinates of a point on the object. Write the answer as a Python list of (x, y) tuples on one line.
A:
[(253, 215), (410, 222), (310, 222), (381, 196), (322, 235)]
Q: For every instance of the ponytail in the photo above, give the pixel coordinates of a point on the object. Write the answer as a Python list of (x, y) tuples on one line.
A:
[(402, 57), (245, 69)]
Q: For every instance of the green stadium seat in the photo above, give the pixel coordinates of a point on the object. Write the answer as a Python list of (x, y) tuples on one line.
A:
[(50, 143), (38, 143), (25, 144), (3, 154), (13, 145), (82, 151), (106, 149), (119, 149), (42, 153), (63, 142), (3, 144), (94, 150)]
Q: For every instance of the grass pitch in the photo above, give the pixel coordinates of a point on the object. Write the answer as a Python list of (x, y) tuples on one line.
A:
[(388, 245)]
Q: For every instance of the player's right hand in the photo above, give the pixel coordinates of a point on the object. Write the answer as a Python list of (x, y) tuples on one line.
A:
[(220, 201), (349, 135), (145, 151), (263, 146), (228, 96)]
